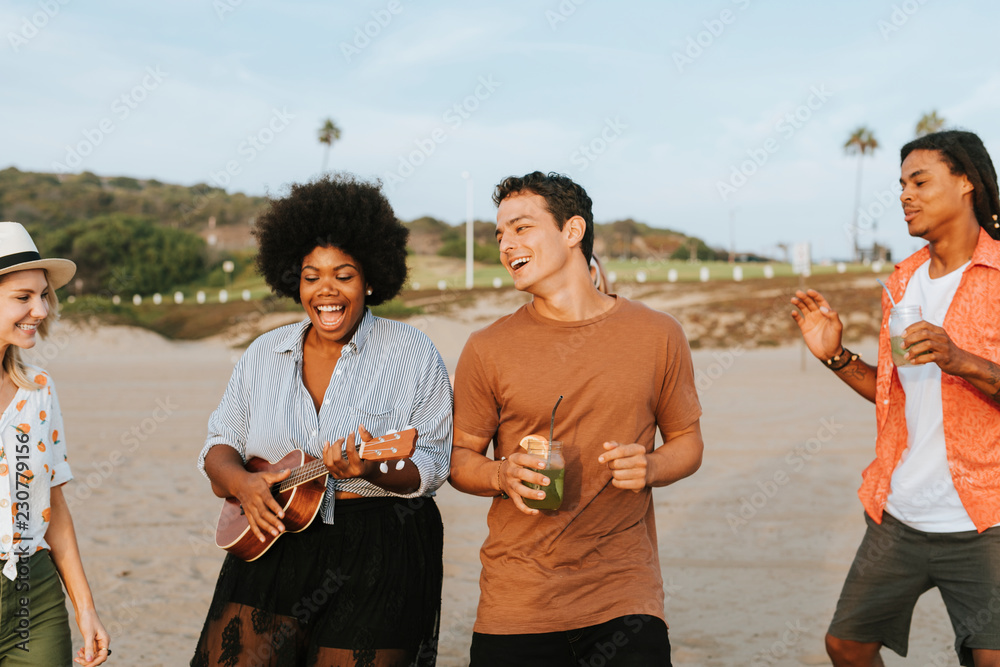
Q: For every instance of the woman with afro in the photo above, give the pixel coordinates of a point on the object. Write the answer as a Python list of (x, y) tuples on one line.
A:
[(362, 584)]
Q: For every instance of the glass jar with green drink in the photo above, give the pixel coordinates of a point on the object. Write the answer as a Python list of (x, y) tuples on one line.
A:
[(900, 318), (555, 469)]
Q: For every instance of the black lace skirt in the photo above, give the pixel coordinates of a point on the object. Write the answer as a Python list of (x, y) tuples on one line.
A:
[(365, 591)]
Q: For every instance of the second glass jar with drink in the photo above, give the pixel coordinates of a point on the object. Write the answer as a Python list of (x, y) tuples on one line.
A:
[(900, 318)]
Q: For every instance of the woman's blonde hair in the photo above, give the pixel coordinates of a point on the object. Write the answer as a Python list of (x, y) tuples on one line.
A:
[(13, 366)]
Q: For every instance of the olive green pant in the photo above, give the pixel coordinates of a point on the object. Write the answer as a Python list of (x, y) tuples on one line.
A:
[(34, 624)]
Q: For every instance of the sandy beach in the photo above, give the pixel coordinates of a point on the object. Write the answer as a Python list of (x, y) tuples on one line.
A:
[(754, 547)]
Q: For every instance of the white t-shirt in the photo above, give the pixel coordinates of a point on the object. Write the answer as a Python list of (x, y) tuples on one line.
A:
[(922, 494)]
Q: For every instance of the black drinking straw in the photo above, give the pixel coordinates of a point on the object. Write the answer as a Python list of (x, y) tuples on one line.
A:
[(552, 424)]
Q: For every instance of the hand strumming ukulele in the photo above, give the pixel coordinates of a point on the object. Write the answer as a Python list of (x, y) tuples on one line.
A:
[(299, 495)]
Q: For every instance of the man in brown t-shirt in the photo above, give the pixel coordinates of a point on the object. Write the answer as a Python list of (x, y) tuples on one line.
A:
[(579, 585)]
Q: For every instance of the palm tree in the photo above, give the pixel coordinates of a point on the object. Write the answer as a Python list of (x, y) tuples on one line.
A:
[(328, 133), (861, 142), (929, 123)]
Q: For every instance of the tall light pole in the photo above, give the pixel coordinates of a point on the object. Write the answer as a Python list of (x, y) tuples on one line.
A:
[(732, 234), (469, 238)]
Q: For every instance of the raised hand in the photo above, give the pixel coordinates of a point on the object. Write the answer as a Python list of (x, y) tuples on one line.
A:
[(821, 327)]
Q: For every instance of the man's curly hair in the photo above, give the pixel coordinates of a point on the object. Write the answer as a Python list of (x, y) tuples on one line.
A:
[(340, 211)]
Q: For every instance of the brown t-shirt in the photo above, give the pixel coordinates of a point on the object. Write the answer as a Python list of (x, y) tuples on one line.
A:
[(622, 374)]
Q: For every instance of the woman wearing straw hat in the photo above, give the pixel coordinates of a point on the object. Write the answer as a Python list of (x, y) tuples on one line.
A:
[(37, 543)]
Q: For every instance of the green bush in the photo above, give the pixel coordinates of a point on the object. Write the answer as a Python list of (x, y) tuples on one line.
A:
[(123, 254)]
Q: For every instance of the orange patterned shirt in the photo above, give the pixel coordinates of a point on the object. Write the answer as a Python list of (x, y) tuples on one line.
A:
[(32, 461), (971, 419)]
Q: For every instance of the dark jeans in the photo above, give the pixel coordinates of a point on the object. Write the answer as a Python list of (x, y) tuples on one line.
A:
[(627, 641)]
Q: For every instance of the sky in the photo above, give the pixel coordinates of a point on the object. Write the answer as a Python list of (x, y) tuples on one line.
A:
[(723, 119)]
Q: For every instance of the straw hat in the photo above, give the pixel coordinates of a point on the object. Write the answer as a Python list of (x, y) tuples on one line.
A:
[(18, 253)]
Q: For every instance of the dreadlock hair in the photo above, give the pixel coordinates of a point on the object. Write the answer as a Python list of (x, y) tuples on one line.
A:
[(966, 155), (562, 196)]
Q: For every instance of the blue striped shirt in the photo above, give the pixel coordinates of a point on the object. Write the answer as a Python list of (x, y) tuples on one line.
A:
[(389, 377)]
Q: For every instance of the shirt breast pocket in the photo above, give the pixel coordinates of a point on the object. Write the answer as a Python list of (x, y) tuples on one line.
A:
[(378, 418)]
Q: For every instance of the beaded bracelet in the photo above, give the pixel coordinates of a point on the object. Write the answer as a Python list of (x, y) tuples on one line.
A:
[(844, 353)]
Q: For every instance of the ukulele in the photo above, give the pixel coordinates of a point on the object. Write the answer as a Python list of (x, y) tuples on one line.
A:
[(300, 494)]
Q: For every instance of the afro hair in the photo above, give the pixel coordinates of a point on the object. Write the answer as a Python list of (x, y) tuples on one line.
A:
[(339, 211)]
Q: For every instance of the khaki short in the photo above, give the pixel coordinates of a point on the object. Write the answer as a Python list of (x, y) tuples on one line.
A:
[(34, 623), (896, 564)]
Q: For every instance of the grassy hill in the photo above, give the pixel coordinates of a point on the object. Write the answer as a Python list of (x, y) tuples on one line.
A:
[(131, 236), (57, 200), (51, 201)]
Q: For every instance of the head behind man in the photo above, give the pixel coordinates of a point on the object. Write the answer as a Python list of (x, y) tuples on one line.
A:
[(965, 156)]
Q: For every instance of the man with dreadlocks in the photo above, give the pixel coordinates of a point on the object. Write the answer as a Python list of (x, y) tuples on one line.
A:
[(932, 495)]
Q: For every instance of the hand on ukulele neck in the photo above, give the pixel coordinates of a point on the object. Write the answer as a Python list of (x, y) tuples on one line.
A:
[(342, 459)]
